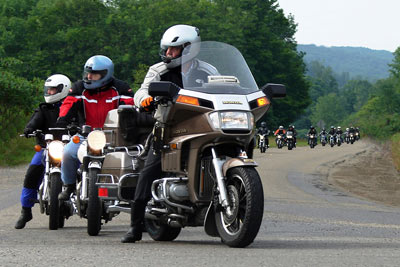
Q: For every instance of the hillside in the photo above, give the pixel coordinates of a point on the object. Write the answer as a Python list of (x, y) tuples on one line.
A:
[(356, 61)]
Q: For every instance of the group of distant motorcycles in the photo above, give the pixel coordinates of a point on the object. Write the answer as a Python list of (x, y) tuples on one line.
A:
[(288, 139)]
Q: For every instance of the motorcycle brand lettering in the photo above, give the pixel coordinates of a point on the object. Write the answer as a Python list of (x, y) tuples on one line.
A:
[(179, 131), (232, 102)]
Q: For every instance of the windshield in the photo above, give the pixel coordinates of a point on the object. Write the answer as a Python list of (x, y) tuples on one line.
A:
[(217, 68)]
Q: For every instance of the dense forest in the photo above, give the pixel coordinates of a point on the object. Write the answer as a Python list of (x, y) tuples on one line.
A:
[(42, 37)]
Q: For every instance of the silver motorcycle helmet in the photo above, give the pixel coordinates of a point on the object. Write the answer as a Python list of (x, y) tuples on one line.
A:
[(61, 83), (101, 65), (180, 35)]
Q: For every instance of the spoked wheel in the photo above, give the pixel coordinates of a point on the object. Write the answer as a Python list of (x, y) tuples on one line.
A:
[(94, 208), (161, 232), (239, 226), (54, 206)]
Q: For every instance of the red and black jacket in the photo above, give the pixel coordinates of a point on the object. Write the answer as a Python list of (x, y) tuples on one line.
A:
[(90, 106)]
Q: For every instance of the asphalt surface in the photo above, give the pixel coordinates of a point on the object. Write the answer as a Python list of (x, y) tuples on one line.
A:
[(307, 222)]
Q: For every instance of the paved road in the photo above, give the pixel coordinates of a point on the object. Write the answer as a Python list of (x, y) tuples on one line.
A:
[(306, 222)]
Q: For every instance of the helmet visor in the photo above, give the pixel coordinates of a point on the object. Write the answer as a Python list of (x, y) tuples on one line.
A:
[(51, 90), (93, 75)]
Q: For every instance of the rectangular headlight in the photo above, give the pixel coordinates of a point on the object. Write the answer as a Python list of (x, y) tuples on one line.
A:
[(231, 120)]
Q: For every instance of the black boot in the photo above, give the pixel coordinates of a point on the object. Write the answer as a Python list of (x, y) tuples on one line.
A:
[(26, 216), (64, 195), (137, 216), (134, 234)]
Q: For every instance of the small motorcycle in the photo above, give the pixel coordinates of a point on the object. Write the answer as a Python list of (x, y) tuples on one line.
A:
[(332, 140), (280, 140), (338, 139), (289, 140), (261, 143), (351, 138), (312, 140), (203, 134), (323, 139), (51, 183)]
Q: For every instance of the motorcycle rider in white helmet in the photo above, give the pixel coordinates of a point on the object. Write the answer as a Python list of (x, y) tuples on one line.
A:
[(56, 88), (174, 69)]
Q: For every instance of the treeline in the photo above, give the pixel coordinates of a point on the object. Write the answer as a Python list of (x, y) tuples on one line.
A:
[(374, 107), (353, 62), (42, 37)]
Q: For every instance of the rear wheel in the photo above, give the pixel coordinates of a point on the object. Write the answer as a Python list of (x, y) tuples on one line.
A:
[(94, 205), (246, 197), (54, 205), (161, 232)]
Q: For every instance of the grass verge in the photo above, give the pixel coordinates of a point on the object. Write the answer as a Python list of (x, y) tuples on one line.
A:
[(396, 150), (16, 151)]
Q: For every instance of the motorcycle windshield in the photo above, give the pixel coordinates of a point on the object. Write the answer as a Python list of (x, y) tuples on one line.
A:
[(216, 68)]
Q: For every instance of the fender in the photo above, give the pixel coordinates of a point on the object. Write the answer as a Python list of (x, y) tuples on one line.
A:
[(94, 165), (235, 162)]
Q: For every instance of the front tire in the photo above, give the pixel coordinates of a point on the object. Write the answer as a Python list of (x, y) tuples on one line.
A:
[(246, 198), (161, 232), (54, 204), (94, 205)]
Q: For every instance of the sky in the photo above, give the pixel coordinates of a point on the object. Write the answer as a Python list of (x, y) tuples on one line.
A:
[(362, 23)]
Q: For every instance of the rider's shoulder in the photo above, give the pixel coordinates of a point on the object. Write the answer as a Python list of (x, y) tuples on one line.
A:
[(159, 67), (206, 67)]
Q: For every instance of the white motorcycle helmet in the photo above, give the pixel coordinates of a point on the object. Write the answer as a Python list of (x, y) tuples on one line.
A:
[(180, 35), (62, 85)]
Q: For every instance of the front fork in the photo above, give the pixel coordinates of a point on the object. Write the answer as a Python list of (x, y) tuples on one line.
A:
[(223, 194)]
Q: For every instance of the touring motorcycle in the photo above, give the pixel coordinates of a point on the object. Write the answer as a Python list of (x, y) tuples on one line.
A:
[(204, 132), (51, 183)]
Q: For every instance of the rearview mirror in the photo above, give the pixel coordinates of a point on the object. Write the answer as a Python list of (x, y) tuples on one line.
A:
[(273, 90)]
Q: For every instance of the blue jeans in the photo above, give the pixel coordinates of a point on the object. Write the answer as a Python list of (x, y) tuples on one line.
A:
[(33, 178), (70, 162)]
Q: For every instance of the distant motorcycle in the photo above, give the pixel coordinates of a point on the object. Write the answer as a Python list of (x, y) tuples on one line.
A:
[(323, 139), (261, 143), (338, 139), (331, 140), (312, 140), (289, 140), (351, 138), (280, 140), (347, 138)]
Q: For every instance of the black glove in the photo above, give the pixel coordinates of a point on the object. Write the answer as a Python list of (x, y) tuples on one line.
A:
[(28, 131)]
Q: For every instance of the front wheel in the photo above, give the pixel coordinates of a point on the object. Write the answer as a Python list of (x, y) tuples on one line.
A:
[(54, 205), (161, 232), (94, 205), (240, 226)]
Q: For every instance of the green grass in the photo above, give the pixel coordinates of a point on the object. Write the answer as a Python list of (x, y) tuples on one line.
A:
[(16, 151), (396, 150)]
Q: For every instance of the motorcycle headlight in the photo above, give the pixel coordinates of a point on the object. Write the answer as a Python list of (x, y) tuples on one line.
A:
[(232, 120), (56, 151), (96, 142)]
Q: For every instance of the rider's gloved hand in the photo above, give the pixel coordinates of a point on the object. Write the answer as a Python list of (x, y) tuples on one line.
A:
[(147, 102), (28, 131)]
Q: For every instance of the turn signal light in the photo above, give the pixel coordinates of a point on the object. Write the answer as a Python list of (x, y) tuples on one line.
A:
[(188, 100), (262, 101), (37, 148)]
